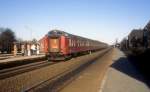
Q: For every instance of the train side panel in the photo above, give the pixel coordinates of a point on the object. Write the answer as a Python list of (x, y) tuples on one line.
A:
[(44, 44)]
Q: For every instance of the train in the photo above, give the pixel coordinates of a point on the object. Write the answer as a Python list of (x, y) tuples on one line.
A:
[(60, 45), (138, 41)]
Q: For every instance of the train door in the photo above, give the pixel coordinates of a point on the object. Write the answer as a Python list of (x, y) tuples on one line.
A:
[(64, 45)]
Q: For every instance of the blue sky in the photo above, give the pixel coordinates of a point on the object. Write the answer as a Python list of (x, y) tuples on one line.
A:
[(103, 20)]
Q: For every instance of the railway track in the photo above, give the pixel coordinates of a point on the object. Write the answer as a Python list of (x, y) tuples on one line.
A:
[(9, 72), (51, 78), (57, 82)]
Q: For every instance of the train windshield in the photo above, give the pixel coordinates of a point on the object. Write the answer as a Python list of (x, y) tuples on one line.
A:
[(54, 44)]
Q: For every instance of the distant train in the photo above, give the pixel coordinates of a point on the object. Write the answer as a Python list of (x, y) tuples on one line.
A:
[(59, 45), (138, 41)]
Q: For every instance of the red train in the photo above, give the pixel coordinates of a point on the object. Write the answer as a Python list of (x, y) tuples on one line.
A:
[(59, 45)]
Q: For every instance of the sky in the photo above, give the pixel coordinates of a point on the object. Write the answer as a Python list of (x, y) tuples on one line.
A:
[(103, 20)]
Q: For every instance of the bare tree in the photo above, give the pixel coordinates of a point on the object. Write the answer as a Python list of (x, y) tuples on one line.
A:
[(7, 37)]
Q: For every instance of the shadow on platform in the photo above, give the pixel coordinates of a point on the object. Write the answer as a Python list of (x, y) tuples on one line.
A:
[(126, 67)]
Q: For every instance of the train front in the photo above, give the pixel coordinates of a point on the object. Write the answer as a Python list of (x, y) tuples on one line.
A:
[(56, 44)]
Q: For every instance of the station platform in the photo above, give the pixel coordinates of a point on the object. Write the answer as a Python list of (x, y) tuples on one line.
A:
[(5, 56), (11, 58), (123, 76), (110, 73)]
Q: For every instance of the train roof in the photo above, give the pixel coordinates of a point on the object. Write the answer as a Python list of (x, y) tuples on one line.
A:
[(59, 32)]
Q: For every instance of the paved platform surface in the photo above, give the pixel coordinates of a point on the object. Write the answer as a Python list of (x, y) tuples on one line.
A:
[(122, 76), (12, 58), (5, 56), (111, 73)]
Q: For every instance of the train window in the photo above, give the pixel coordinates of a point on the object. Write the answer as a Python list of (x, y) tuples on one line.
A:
[(69, 42), (86, 43), (79, 43), (83, 43), (75, 43), (72, 43)]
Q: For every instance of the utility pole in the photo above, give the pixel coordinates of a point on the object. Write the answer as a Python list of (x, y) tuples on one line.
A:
[(116, 40), (28, 28), (116, 43)]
